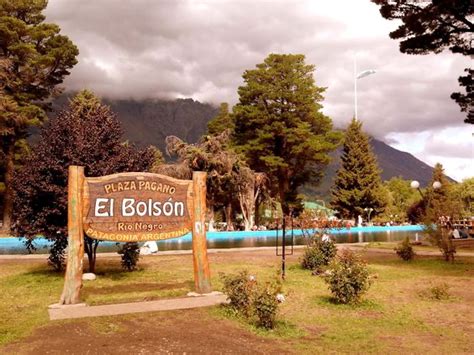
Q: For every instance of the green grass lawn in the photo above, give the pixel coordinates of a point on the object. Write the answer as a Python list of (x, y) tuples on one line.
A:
[(397, 315)]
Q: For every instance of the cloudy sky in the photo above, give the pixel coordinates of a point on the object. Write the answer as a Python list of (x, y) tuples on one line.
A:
[(199, 49)]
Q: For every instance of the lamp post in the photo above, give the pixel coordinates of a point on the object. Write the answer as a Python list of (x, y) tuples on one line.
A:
[(416, 185), (369, 211), (361, 75)]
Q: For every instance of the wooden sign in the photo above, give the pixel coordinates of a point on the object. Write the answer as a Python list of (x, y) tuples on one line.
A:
[(137, 207), (134, 207)]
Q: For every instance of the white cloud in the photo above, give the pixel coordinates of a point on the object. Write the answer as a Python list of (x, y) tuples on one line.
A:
[(452, 147), (199, 49)]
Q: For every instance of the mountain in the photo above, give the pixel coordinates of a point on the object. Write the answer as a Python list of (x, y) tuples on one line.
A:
[(392, 162), (149, 121)]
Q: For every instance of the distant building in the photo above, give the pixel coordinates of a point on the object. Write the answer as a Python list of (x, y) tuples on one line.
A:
[(314, 206)]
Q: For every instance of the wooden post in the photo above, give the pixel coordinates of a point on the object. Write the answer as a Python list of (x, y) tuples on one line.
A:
[(202, 277), (75, 257)]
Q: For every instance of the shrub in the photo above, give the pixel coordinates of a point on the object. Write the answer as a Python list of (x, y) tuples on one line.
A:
[(130, 253), (240, 289), (441, 238), (57, 257), (265, 305), (405, 250), (255, 302), (437, 292), (348, 278), (318, 253)]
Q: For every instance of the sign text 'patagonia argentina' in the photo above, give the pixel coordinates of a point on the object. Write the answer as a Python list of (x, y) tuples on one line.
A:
[(137, 207)]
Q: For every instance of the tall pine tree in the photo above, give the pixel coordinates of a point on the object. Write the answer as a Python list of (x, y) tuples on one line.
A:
[(358, 184), (279, 126), (34, 59)]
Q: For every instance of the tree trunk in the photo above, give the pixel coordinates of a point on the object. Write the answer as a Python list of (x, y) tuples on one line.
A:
[(8, 196), (96, 244), (246, 198), (73, 277), (283, 187), (91, 251), (228, 217), (211, 219), (257, 208), (247, 225), (243, 201), (202, 274)]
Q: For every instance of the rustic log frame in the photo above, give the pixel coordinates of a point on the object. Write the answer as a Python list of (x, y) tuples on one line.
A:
[(202, 278), (75, 258)]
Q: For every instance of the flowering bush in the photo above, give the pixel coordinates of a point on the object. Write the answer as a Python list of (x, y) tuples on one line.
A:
[(239, 290), (348, 278), (318, 253), (265, 305), (257, 303), (280, 298)]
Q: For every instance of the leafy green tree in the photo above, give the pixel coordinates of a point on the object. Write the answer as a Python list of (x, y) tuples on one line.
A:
[(441, 205), (34, 59), (440, 200), (465, 191), (357, 183), (221, 122), (401, 197), (86, 134), (432, 26), (279, 126), (416, 211), (249, 187)]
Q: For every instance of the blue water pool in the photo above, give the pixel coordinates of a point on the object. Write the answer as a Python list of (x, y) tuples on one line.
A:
[(244, 239)]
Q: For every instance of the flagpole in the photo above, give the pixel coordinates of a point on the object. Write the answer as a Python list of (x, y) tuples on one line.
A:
[(355, 87)]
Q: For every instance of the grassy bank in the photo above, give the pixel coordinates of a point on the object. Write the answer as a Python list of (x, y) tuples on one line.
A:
[(398, 314)]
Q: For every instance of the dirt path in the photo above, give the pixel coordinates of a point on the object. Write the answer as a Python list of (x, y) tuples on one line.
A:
[(190, 331)]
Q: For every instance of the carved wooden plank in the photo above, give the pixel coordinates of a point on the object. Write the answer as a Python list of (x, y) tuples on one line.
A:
[(75, 257), (137, 207), (202, 277)]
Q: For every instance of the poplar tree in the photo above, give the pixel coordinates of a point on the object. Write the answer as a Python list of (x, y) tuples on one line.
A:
[(34, 59), (279, 126), (357, 184)]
